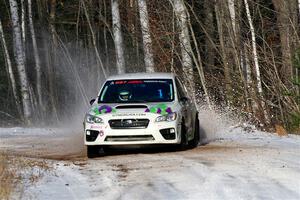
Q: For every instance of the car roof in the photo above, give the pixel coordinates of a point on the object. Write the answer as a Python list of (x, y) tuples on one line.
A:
[(145, 75)]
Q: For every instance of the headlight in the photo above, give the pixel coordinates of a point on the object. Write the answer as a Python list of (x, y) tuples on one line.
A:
[(169, 117), (93, 119)]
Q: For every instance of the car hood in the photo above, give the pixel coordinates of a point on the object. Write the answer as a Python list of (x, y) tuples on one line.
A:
[(133, 108)]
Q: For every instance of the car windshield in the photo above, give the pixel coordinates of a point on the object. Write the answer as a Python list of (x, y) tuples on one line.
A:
[(137, 91)]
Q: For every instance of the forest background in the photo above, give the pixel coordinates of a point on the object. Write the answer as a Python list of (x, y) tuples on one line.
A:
[(242, 55)]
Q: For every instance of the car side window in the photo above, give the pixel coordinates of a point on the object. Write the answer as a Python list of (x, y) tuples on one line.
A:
[(180, 89)]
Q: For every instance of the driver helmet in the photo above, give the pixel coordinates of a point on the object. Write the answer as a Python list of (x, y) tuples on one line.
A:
[(125, 95)]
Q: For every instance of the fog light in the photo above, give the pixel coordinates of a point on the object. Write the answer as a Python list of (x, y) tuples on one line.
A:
[(168, 133), (91, 135)]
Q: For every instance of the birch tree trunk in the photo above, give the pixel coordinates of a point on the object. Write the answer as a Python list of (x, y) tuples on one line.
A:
[(251, 100), (10, 70), (147, 42), (19, 57), (184, 37), (234, 31), (118, 39), (23, 23), (256, 64), (36, 57), (299, 8), (52, 10), (231, 6)]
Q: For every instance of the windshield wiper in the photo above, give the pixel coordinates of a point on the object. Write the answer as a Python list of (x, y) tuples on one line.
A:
[(135, 101), (138, 101)]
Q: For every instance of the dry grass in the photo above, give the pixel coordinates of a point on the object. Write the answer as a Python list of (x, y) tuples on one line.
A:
[(7, 178), (18, 172)]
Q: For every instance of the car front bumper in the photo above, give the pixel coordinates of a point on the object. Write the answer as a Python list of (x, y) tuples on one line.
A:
[(155, 133)]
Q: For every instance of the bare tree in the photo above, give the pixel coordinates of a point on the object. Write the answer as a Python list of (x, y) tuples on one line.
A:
[(50, 57), (36, 57), (197, 58), (198, 62), (10, 70), (251, 100), (299, 7), (144, 19), (209, 29), (256, 64), (94, 40), (222, 16), (118, 38), (52, 11), (231, 6), (184, 37), (19, 56), (23, 22), (286, 25)]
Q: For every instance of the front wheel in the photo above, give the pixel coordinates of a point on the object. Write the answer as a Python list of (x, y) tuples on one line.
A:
[(92, 151), (195, 141), (183, 142), (107, 150)]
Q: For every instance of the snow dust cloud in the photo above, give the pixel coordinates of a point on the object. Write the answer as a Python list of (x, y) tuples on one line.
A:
[(215, 122)]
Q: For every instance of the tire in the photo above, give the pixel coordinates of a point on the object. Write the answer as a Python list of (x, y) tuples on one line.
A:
[(92, 151), (107, 150), (195, 141), (183, 143)]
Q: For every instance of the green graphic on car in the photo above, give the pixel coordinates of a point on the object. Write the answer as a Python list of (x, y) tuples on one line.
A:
[(162, 109), (104, 109), (159, 109)]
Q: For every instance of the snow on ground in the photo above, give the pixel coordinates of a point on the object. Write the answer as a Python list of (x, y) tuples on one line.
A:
[(234, 165), (52, 143)]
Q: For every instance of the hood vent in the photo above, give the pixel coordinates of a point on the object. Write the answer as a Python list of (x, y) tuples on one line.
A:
[(131, 107)]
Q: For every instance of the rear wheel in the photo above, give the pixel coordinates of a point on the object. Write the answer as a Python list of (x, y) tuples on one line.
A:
[(92, 151), (195, 141)]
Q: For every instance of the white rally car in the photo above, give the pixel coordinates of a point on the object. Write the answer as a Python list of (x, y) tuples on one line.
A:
[(140, 109)]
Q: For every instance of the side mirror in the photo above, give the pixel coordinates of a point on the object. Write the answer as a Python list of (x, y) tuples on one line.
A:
[(92, 101), (184, 100)]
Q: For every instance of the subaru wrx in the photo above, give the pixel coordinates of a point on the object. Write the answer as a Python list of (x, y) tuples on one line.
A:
[(141, 109)]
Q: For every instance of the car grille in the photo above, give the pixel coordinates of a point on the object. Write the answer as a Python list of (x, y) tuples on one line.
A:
[(129, 138), (128, 123)]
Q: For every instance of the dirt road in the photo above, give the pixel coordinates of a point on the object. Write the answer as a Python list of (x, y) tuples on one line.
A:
[(237, 166)]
